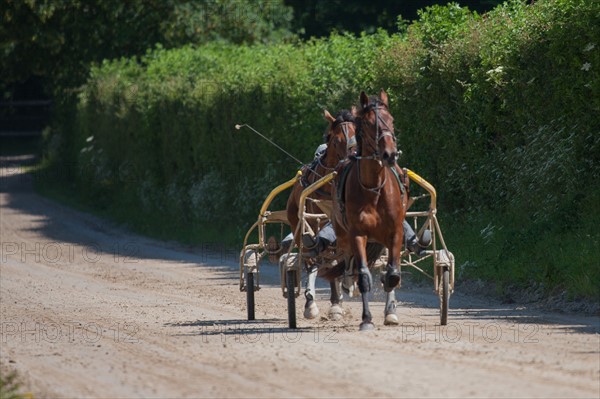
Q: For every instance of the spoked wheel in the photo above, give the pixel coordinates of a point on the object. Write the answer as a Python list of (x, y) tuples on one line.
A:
[(250, 295), (444, 296), (290, 281)]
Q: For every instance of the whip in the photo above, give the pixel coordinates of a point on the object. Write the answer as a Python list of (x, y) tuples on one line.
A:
[(238, 127)]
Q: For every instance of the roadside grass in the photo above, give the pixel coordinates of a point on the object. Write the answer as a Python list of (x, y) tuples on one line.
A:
[(10, 386), (550, 259)]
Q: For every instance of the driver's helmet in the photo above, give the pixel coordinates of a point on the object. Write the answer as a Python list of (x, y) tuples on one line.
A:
[(320, 151)]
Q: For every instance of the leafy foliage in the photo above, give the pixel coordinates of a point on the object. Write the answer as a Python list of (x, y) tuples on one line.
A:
[(438, 24), (58, 39)]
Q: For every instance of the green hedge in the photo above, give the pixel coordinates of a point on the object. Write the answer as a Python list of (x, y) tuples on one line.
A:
[(160, 130), (500, 112)]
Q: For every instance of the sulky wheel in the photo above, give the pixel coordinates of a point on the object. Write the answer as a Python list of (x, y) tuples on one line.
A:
[(251, 269), (250, 295), (444, 295), (290, 281)]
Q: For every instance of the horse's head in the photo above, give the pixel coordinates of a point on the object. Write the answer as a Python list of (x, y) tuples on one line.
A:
[(341, 134), (376, 129)]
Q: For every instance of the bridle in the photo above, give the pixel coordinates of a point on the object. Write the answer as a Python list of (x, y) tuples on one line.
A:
[(382, 132), (350, 143)]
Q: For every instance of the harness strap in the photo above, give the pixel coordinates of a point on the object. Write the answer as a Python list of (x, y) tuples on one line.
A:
[(401, 183), (341, 187)]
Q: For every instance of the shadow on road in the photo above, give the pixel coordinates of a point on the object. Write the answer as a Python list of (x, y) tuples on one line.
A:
[(74, 233)]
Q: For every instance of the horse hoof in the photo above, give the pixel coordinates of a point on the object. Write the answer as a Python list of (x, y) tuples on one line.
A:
[(311, 311), (336, 313), (390, 320), (366, 326)]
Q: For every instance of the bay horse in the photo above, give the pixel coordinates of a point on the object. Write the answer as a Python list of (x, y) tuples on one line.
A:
[(370, 202), (341, 141)]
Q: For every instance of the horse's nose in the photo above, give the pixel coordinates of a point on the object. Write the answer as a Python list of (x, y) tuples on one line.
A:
[(390, 157)]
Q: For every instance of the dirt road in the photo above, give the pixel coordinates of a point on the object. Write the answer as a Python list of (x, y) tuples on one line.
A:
[(90, 310)]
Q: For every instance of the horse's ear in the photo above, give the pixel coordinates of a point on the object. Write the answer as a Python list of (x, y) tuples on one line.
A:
[(384, 97), (354, 111), (328, 116), (364, 99)]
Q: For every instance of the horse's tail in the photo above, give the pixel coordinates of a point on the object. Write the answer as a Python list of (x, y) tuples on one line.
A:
[(374, 250)]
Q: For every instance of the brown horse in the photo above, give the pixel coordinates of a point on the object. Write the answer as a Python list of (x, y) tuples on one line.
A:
[(341, 141), (371, 198)]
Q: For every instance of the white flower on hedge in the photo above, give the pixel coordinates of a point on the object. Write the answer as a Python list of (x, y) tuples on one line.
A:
[(589, 47), (89, 139), (496, 71), (586, 66), (495, 75)]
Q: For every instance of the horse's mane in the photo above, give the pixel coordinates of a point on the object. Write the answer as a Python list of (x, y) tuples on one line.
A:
[(374, 101), (341, 117)]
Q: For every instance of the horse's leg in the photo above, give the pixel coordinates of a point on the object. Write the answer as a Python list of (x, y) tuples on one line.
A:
[(392, 275), (348, 285), (336, 291), (365, 281), (391, 319), (392, 278), (335, 311), (311, 309)]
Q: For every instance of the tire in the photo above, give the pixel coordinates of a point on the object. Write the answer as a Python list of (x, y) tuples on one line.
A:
[(290, 281), (250, 295), (444, 296)]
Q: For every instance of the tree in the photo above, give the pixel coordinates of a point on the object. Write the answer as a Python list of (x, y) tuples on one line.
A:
[(57, 40)]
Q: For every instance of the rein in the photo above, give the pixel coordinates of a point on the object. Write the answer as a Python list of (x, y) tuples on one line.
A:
[(376, 190)]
